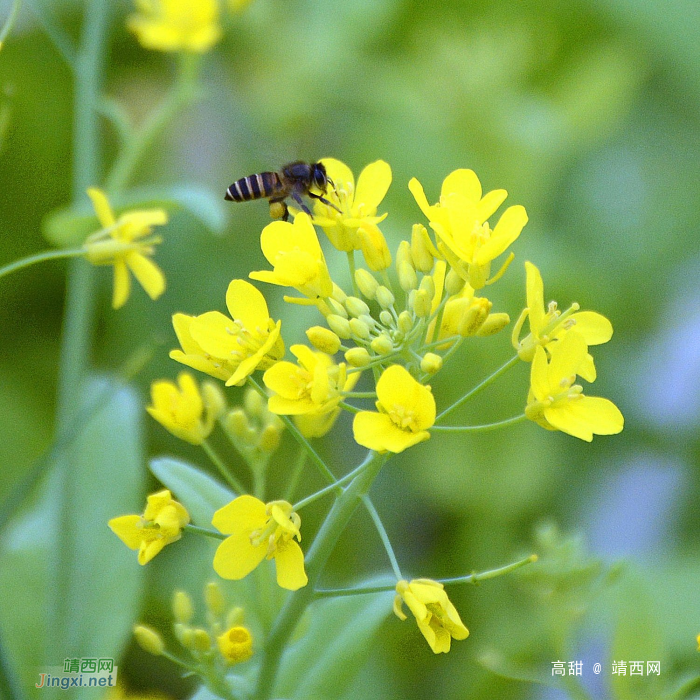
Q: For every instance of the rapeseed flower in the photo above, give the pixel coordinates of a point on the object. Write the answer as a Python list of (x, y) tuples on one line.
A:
[(437, 618), (184, 410), (296, 256), (259, 531), (459, 219), (122, 243), (230, 348), (235, 645), (354, 227), (406, 411), (161, 524), (556, 403), (176, 25)]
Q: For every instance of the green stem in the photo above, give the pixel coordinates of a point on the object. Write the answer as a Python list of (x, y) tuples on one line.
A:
[(331, 487), (61, 41), (351, 265), (223, 469), (471, 578), (349, 407), (479, 387), (40, 257), (316, 558), (383, 535), (205, 531), (360, 394), (297, 471), (687, 688), (180, 96), (479, 428), (9, 22)]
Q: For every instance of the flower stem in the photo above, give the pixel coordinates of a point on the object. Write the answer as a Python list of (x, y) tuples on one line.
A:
[(479, 387), (60, 39), (205, 531), (295, 474), (331, 487), (351, 265), (182, 93), (471, 578), (40, 257), (316, 558), (223, 469), (479, 428), (383, 535), (9, 22)]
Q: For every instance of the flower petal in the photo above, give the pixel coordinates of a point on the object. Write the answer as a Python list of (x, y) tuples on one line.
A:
[(148, 274), (289, 560), (463, 182), (122, 284), (246, 304), (236, 557), (101, 205), (372, 186), (243, 514)]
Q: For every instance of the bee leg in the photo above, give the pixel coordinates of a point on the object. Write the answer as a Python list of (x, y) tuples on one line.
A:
[(297, 198), (323, 200), (278, 209)]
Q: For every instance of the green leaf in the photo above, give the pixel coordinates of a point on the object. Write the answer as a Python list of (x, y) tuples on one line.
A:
[(198, 492), (70, 226), (91, 585), (638, 637), (336, 643)]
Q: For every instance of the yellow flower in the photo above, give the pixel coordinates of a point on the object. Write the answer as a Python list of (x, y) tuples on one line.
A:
[(314, 385), (406, 411), (183, 410), (236, 644), (176, 25), (354, 227), (437, 618), (160, 524), (556, 403), (296, 256), (698, 641), (119, 243), (258, 531), (547, 326), (460, 222), (230, 349)]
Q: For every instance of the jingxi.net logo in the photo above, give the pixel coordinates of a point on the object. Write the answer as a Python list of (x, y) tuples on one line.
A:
[(80, 673)]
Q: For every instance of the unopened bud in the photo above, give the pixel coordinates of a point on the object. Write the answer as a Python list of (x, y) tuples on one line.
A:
[(200, 640), (407, 276), (403, 254), (235, 616), (270, 439), (359, 328), (422, 303), (323, 339), (338, 293), (236, 422), (339, 325), (472, 319), (214, 399), (358, 357), (183, 610), (382, 344), (356, 307), (405, 322), (366, 282), (337, 307), (385, 297), (149, 640), (253, 403), (431, 363), (214, 598), (427, 284), (422, 249), (385, 318), (374, 247), (454, 284), (493, 324)]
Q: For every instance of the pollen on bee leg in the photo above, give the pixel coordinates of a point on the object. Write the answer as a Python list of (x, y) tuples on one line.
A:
[(277, 210)]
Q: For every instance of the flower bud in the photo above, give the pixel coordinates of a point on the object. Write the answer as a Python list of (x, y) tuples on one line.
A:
[(366, 282), (183, 611), (236, 422), (338, 294), (339, 325), (385, 297), (337, 307), (356, 307), (270, 439), (253, 403), (214, 400), (431, 363), (423, 252), (454, 284), (235, 645), (214, 598), (382, 344), (323, 339), (403, 254), (374, 247), (358, 357), (182, 633), (235, 616), (427, 284), (405, 322), (408, 279), (359, 328), (200, 640), (149, 640), (386, 318), (422, 303), (493, 324)]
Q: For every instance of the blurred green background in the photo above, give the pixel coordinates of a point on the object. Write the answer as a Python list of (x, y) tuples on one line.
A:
[(588, 113)]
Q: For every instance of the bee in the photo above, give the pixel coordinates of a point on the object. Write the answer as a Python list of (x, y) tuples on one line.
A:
[(293, 180)]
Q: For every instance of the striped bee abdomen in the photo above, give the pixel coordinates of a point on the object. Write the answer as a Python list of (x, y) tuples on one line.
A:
[(254, 187)]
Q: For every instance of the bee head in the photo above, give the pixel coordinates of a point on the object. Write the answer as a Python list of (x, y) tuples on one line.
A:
[(320, 179)]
